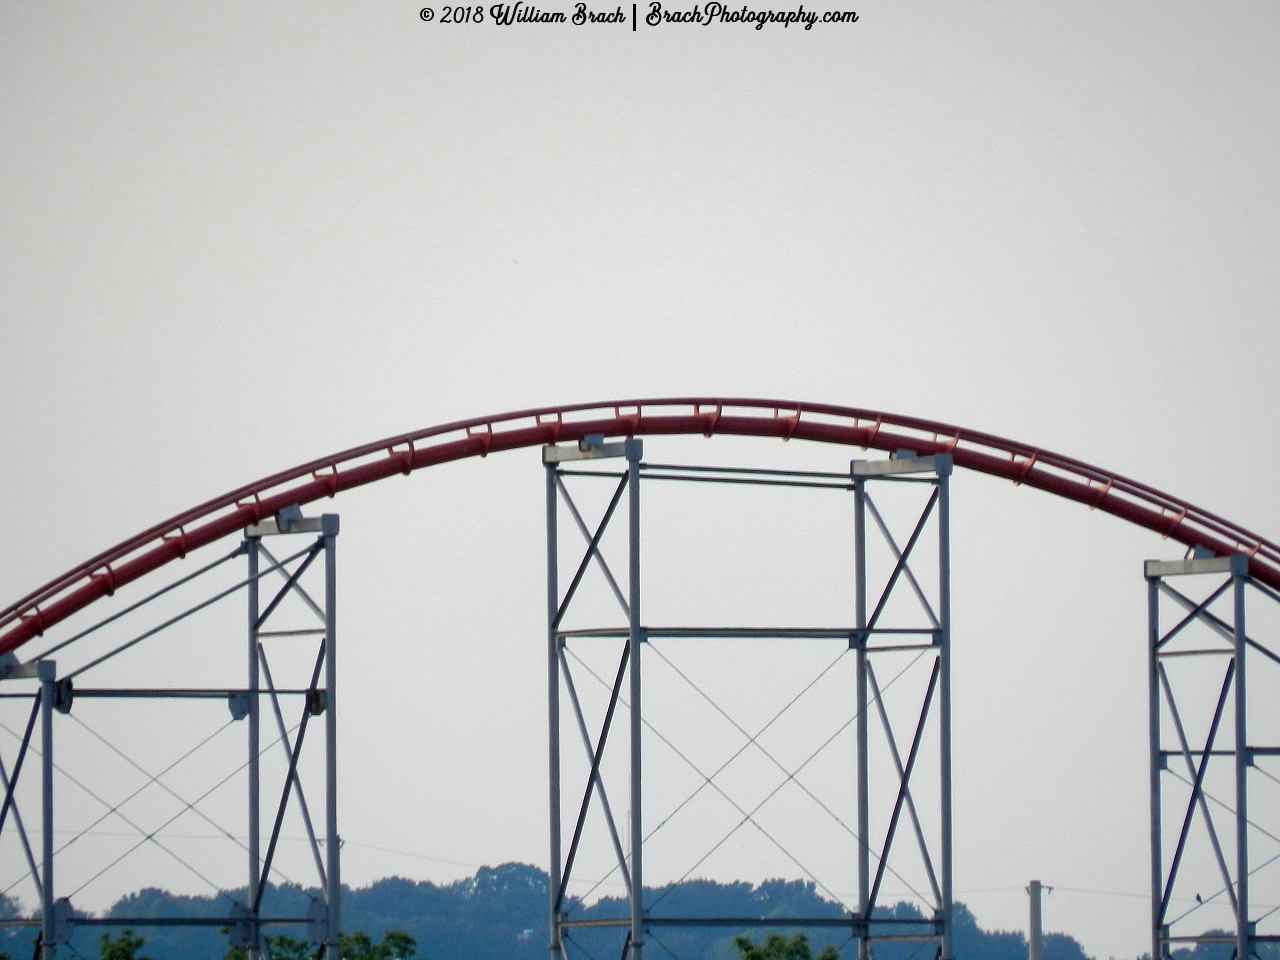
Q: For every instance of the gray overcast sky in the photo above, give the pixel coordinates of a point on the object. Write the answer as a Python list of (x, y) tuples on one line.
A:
[(237, 237)]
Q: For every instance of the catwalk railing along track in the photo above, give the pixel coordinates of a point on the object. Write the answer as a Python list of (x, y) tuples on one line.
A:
[(824, 423)]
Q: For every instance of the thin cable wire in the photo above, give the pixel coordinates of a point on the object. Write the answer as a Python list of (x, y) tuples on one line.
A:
[(156, 780), (180, 813), (114, 810), (705, 780), (748, 816), (744, 747), (912, 954), (1265, 774), (145, 600), (1102, 893), (182, 616), (654, 937), (779, 787), (110, 810), (1224, 806), (753, 741), (578, 946), (144, 840), (1220, 891)]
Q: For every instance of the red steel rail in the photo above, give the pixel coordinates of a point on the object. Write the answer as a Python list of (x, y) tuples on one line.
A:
[(824, 423)]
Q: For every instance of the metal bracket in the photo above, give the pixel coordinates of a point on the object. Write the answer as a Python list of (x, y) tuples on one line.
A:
[(1235, 564), (317, 921), (939, 463), (238, 704), (240, 929), (12, 669), (593, 447), (63, 921), (288, 520), (63, 694)]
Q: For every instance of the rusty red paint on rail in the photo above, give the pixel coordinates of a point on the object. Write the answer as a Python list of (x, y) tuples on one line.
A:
[(786, 420)]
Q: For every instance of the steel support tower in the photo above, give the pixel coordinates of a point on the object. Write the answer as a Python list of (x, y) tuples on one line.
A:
[(1209, 627), (247, 919), (870, 635)]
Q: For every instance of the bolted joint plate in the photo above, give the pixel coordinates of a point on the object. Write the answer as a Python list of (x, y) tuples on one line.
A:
[(63, 921), (592, 447), (240, 926), (63, 694), (238, 704), (317, 921)]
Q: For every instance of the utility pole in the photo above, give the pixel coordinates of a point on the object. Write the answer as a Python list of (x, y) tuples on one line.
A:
[(1036, 936)]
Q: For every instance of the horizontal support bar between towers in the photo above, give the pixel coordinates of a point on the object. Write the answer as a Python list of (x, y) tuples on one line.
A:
[(850, 920), (162, 921), (849, 634)]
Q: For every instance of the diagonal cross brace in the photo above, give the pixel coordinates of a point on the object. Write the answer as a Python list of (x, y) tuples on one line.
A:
[(1196, 789), (306, 597), (906, 777), (591, 550), (297, 780), (900, 565), (1219, 625), (604, 797), (897, 554), (17, 766), (911, 804), (586, 535), (288, 780), (595, 772), (1191, 769), (10, 785), (1199, 611), (290, 583)]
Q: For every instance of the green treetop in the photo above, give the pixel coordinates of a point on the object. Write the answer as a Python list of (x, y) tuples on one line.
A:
[(776, 947)]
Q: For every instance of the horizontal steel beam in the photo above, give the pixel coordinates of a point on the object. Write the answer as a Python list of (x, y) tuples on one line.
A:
[(747, 633), (851, 920), (1237, 563), (146, 693), (939, 463)]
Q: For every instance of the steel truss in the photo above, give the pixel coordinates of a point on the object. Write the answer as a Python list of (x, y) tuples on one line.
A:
[(247, 919), (867, 637), (1176, 752)]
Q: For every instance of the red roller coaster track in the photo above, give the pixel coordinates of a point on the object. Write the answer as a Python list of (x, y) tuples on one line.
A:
[(850, 426)]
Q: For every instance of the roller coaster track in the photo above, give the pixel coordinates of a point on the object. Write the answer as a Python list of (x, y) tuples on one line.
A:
[(824, 423)]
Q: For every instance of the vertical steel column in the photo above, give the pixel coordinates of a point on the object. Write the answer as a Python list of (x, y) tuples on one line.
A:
[(944, 692), (1244, 933), (329, 530), (864, 803), (634, 453), (1153, 755), (48, 673), (556, 944), (255, 787)]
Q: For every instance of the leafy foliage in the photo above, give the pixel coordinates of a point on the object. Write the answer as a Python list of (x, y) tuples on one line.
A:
[(124, 947), (776, 947), (500, 913), (395, 945)]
